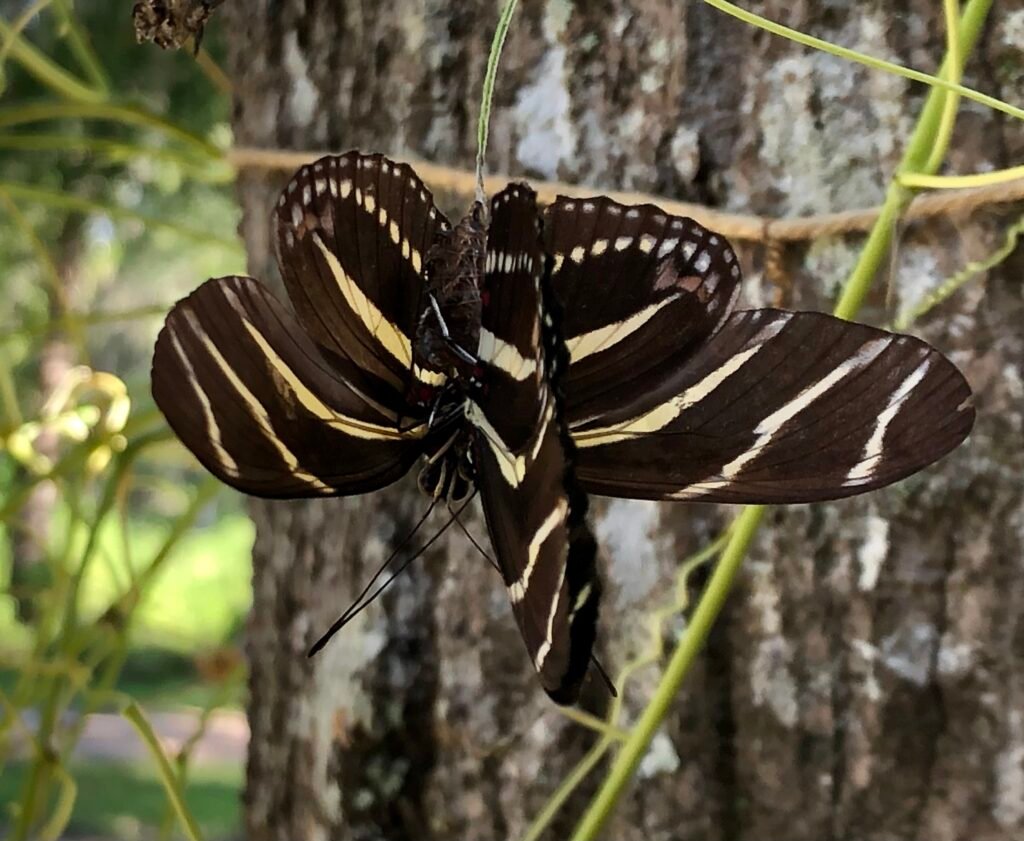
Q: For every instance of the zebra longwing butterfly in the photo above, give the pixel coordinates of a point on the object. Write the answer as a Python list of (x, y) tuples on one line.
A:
[(535, 357)]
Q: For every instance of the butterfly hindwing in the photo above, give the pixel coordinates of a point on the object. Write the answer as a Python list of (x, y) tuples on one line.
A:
[(353, 234), (782, 407), (522, 454), (641, 290), (248, 392)]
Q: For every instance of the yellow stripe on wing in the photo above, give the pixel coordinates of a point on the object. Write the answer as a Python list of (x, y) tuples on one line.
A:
[(256, 409), (391, 338), (227, 462), (661, 416), (603, 338), (320, 410)]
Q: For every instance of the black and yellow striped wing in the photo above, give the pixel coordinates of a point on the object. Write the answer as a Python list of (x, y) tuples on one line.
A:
[(353, 234), (671, 396), (522, 453), (642, 292), (251, 395), (781, 407)]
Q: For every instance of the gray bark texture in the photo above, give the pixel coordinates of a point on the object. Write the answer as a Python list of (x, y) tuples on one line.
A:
[(866, 680)]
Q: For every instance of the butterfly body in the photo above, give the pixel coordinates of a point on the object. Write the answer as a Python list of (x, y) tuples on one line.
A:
[(448, 328), (535, 357), (447, 339)]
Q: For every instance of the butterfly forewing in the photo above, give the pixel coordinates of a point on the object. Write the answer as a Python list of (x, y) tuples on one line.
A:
[(782, 407), (353, 234), (251, 396), (641, 290), (534, 510)]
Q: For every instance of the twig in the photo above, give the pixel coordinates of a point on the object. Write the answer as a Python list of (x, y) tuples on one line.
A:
[(746, 227)]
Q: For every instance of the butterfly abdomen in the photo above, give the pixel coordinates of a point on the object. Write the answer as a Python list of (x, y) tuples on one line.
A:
[(448, 330)]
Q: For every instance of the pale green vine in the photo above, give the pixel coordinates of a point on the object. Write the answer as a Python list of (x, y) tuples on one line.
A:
[(45, 70), (484, 122), (972, 270), (867, 60)]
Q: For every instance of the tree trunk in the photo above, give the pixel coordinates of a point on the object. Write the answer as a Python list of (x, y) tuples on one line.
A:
[(865, 681)]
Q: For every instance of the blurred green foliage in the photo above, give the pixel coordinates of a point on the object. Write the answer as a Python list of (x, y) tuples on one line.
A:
[(119, 800), (124, 569), (193, 608)]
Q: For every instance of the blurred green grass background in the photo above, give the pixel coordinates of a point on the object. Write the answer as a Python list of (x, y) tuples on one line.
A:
[(197, 602), (195, 606), (127, 801), (115, 200)]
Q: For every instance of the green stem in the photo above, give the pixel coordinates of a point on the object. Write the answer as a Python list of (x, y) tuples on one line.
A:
[(227, 689), (10, 417), (922, 148), (861, 58), (124, 463), (918, 153), (118, 113), (70, 465), (951, 101), (858, 285), (138, 720), (55, 77), (567, 787), (201, 169), (54, 828), (28, 232), (209, 489), (484, 122), (64, 201), (598, 725), (15, 29), (214, 73), (82, 47), (960, 182), (1014, 234), (38, 780), (77, 320)]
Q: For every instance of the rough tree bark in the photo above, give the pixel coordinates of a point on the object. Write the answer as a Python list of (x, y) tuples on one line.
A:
[(866, 681)]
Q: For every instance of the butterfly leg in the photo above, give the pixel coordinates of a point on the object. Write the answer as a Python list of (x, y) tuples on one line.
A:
[(434, 410), (454, 346)]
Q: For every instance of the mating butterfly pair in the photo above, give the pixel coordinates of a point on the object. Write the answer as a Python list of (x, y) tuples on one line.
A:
[(537, 357)]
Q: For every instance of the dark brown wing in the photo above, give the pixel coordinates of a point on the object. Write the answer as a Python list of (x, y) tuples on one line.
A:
[(353, 234), (642, 292), (781, 407), (535, 511), (252, 397)]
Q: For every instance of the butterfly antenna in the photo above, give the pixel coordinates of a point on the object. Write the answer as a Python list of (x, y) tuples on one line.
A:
[(473, 540), (356, 608), (380, 571)]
